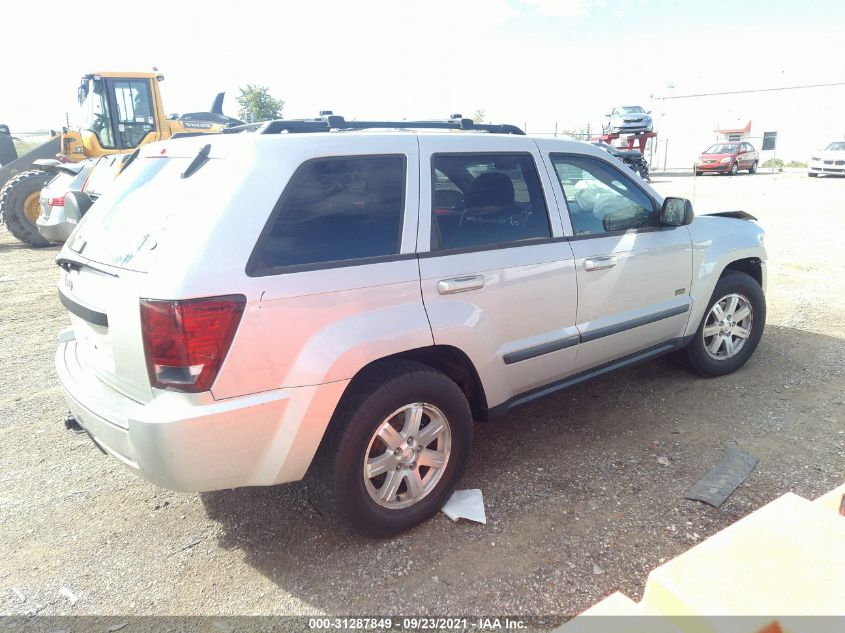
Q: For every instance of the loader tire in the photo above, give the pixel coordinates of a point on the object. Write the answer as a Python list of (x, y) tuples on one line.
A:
[(20, 206)]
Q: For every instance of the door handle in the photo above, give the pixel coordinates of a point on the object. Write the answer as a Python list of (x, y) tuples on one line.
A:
[(599, 263), (460, 284)]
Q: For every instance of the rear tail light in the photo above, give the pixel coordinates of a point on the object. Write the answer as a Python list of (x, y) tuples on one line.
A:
[(57, 202), (186, 341)]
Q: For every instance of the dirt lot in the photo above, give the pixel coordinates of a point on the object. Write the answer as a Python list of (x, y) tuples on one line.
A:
[(579, 498)]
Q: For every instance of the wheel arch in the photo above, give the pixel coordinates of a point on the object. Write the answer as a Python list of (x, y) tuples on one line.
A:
[(752, 266), (721, 244), (446, 359)]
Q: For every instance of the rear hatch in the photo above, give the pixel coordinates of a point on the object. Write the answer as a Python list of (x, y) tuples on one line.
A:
[(108, 261)]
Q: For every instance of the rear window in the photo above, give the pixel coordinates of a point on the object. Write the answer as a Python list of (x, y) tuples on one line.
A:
[(125, 225), (335, 210)]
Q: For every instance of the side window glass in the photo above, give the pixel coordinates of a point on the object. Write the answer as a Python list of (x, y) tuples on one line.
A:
[(337, 209), (486, 199), (600, 199), (134, 111)]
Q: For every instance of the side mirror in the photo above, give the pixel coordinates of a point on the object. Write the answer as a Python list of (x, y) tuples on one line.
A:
[(676, 212), (648, 111)]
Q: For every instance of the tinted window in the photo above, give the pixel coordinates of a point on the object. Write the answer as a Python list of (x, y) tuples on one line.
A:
[(600, 199), (338, 209), (486, 199)]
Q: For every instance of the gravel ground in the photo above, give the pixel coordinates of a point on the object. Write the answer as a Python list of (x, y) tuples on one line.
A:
[(584, 491)]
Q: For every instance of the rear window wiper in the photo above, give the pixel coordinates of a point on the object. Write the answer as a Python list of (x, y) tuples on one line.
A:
[(74, 264)]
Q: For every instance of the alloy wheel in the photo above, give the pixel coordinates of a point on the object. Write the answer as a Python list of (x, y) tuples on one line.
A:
[(727, 327), (407, 455)]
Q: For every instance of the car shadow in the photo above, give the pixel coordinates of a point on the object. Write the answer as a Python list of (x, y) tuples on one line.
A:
[(591, 478), (20, 246)]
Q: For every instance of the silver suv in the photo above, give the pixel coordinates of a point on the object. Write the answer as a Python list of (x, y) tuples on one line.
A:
[(250, 308)]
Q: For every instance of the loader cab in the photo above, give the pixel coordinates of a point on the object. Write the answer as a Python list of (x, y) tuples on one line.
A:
[(119, 113)]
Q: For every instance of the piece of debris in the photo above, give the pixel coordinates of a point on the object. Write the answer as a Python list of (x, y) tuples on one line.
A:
[(719, 483), (597, 571), (466, 504), (19, 594), (117, 627), (67, 593), (188, 545), (663, 461)]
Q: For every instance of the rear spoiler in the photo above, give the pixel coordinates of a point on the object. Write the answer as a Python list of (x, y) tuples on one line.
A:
[(739, 215), (55, 166)]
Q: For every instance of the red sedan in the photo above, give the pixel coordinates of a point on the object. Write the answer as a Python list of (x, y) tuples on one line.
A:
[(727, 158)]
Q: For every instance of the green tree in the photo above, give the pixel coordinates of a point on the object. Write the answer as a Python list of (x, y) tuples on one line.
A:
[(256, 104), (478, 115)]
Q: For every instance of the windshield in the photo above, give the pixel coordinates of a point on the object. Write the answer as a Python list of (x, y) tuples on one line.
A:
[(722, 148), (630, 110), (839, 146), (95, 113)]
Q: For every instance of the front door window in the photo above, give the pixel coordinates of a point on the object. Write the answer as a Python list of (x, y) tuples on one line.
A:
[(600, 199)]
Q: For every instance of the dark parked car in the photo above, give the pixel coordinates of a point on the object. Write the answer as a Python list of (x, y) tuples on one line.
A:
[(727, 158), (633, 158)]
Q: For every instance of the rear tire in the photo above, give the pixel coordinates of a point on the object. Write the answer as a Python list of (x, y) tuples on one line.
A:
[(708, 356), (19, 204), (753, 169), (377, 412)]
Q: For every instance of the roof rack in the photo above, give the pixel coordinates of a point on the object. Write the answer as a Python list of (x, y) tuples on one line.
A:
[(331, 122)]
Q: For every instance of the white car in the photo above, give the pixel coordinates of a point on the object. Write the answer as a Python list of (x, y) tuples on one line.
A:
[(629, 119), (249, 308), (830, 160)]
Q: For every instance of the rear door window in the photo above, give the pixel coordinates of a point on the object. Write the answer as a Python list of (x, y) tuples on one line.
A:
[(487, 200), (335, 210)]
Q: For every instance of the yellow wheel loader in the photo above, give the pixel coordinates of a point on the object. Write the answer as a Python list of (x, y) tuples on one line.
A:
[(120, 112)]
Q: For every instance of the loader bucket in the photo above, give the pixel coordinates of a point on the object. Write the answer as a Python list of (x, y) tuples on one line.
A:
[(22, 164), (8, 152)]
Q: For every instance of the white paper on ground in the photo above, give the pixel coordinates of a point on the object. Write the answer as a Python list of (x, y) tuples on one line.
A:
[(466, 504)]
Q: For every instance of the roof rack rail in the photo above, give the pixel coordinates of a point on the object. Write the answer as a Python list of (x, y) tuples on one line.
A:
[(334, 122)]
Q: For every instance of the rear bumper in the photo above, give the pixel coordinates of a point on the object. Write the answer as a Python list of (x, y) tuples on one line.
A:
[(55, 226), (200, 444)]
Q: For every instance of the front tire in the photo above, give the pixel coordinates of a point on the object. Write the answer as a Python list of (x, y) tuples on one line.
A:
[(812, 175), (20, 206), (734, 170), (731, 327), (395, 449)]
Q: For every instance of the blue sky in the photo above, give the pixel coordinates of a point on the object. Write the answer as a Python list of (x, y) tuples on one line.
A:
[(529, 62)]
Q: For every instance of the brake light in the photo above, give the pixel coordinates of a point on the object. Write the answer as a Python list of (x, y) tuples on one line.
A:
[(185, 342), (57, 202)]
